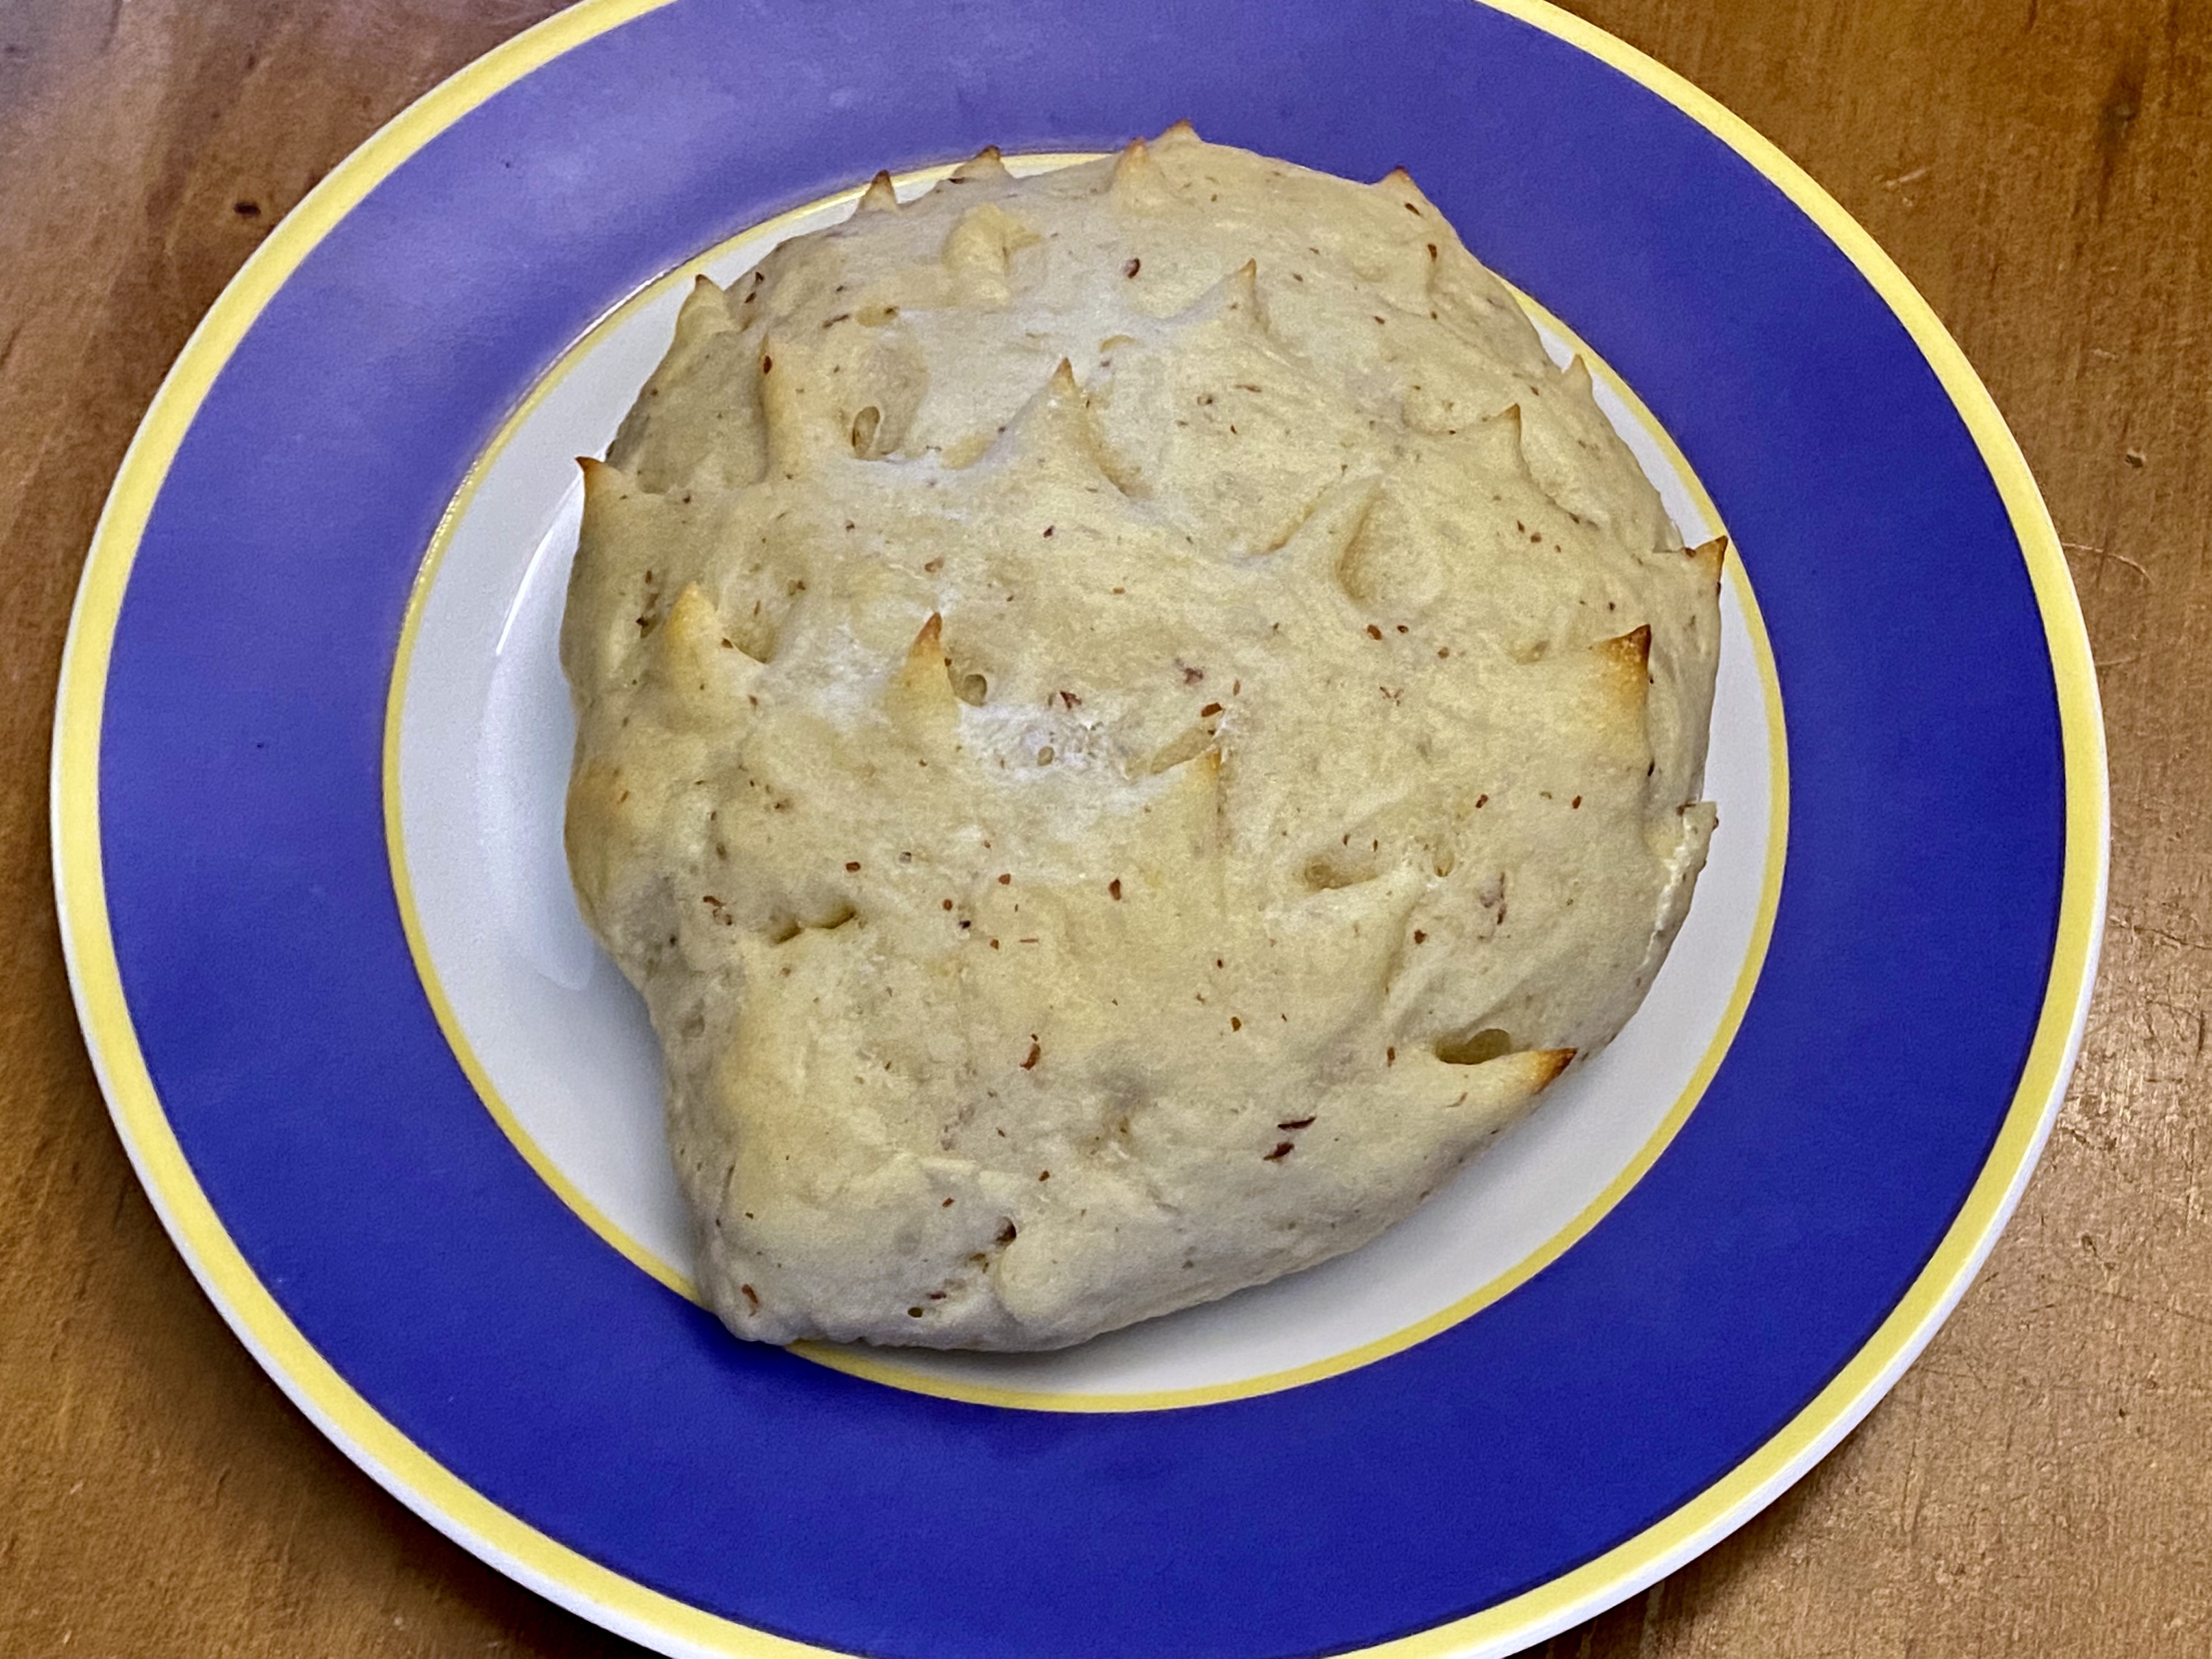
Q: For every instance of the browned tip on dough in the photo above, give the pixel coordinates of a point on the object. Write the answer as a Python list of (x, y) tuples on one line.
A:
[(1545, 1065), (1492, 1083), (1625, 675), (919, 698), (985, 163), (602, 484), (1500, 438), (1136, 180), (1630, 650), (880, 197), (1181, 133), (1235, 300), (1399, 185), (692, 614), (1242, 289), (1054, 428), (701, 663), (1617, 696), (1710, 556), (921, 691)]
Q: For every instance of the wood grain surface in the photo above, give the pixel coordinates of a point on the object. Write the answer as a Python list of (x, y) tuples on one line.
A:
[(2040, 1483)]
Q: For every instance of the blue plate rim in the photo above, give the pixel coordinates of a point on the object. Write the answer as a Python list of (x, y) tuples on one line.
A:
[(631, 1609)]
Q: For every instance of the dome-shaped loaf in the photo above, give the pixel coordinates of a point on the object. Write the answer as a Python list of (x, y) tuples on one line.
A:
[(1130, 722)]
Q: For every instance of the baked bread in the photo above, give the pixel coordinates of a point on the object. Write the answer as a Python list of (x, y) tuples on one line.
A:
[(1130, 722)]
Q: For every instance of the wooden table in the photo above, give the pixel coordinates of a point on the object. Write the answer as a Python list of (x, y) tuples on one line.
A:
[(2040, 1483)]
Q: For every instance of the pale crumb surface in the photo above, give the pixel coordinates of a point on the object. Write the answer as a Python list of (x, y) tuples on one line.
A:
[(1130, 722)]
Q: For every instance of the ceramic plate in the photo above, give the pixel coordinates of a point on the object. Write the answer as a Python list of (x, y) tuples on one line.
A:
[(403, 1120)]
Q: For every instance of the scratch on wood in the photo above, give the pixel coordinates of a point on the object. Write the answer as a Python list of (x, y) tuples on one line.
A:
[(2192, 1016), (2148, 1306), (2163, 935), (2116, 120), (2106, 553)]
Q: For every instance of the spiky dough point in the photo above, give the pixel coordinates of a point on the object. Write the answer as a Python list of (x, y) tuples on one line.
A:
[(1129, 723), (880, 197)]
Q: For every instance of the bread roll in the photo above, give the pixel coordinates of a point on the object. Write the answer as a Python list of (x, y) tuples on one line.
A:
[(1130, 722)]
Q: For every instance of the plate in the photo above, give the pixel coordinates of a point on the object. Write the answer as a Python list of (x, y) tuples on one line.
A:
[(402, 1119), (478, 738)]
